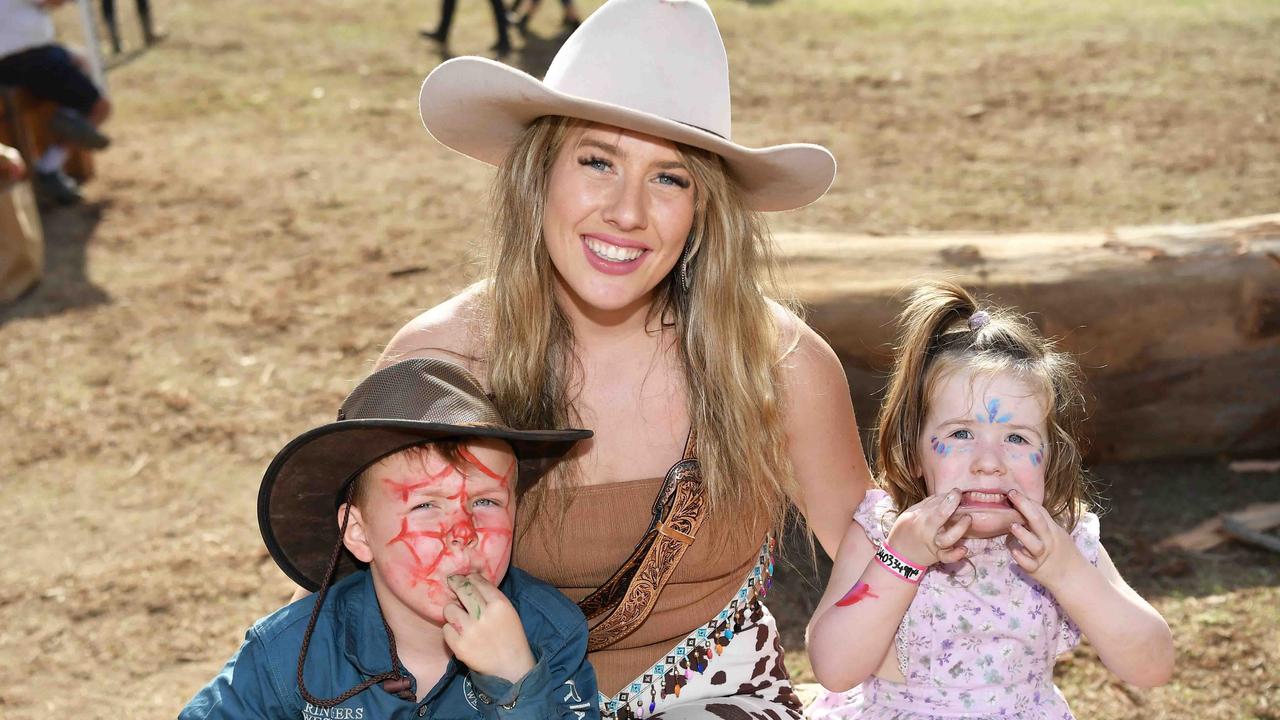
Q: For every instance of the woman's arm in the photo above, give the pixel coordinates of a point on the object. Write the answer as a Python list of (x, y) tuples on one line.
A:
[(822, 433)]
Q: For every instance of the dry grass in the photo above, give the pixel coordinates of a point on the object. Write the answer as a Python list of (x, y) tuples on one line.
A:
[(232, 276)]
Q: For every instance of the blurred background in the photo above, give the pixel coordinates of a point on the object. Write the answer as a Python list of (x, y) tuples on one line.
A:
[(270, 210)]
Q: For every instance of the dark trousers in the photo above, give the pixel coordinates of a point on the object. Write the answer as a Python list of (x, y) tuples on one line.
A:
[(113, 28), (499, 19)]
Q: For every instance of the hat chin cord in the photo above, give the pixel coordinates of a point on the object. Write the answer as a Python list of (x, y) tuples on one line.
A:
[(392, 681)]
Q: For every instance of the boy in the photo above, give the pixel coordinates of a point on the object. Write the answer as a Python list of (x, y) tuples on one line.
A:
[(428, 620)]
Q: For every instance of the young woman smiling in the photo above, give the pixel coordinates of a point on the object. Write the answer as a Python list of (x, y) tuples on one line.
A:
[(625, 291)]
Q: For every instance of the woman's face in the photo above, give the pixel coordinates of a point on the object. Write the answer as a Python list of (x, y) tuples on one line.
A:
[(619, 210)]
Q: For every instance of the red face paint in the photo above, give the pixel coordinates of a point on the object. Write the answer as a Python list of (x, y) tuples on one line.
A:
[(430, 519), (856, 594), (504, 478)]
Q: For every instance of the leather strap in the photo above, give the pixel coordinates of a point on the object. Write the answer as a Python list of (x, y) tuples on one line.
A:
[(628, 597)]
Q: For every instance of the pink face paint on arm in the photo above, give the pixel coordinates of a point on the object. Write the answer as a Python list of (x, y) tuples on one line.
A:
[(856, 594)]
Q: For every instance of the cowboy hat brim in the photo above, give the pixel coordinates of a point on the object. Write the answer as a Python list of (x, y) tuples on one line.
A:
[(305, 483), (479, 107)]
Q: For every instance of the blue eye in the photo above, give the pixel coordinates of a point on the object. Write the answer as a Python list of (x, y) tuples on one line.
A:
[(674, 180), (595, 163), (487, 502), (1017, 439), (962, 434), (425, 506)]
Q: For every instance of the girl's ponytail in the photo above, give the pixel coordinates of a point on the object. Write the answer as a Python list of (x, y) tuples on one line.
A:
[(941, 327), (933, 311)]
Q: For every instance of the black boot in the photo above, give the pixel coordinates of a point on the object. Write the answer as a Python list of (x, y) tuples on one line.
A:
[(67, 124), (56, 189)]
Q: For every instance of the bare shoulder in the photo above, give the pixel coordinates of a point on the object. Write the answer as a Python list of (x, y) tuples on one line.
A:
[(452, 330), (805, 358)]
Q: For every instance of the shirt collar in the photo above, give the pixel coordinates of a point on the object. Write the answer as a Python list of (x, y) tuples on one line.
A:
[(365, 636)]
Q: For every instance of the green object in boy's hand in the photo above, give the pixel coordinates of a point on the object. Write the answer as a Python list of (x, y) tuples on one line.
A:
[(466, 593)]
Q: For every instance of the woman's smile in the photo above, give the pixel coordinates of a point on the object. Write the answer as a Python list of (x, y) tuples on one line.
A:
[(613, 255)]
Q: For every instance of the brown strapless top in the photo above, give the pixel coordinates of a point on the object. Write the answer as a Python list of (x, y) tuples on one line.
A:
[(601, 527)]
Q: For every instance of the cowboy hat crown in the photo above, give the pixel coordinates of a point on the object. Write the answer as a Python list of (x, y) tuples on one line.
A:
[(657, 67)]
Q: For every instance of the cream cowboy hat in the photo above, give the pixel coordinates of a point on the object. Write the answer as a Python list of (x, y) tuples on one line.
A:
[(653, 66)]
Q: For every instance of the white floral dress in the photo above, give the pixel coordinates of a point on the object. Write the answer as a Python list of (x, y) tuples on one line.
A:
[(979, 640)]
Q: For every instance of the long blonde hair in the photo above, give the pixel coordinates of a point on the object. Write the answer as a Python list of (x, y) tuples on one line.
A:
[(727, 337), (937, 337)]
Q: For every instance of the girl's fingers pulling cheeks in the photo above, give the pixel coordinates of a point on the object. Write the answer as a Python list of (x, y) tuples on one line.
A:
[(1025, 561), (947, 506), (1037, 517), (950, 535), (1033, 545), (953, 554)]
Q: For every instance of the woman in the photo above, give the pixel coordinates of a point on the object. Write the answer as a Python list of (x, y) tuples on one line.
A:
[(625, 294)]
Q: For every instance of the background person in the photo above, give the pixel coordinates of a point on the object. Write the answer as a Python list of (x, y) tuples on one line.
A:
[(149, 35), (522, 10), (30, 59), (440, 34)]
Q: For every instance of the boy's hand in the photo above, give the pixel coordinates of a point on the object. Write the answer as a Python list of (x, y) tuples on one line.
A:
[(921, 533), (1047, 552), (483, 629)]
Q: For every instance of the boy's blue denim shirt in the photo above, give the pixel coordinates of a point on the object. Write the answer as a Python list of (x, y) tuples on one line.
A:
[(349, 645)]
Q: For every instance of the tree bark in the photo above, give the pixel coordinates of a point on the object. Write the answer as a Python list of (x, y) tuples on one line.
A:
[(1176, 327)]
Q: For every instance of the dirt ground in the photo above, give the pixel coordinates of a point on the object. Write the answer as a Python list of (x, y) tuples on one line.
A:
[(271, 211)]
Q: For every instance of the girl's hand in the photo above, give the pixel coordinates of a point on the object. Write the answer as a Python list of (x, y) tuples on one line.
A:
[(1047, 553), (922, 534), (483, 629)]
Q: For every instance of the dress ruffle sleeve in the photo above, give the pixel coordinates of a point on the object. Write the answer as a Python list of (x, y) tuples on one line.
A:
[(1087, 537), (875, 514)]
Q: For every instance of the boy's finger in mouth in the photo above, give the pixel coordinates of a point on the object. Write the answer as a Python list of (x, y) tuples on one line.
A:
[(467, 594)]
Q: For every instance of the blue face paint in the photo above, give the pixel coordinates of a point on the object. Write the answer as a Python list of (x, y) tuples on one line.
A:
[(938, 447), (1037, 457), (993, 413)]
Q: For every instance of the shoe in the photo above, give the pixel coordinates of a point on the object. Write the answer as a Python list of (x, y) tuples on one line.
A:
[(56, 189), (500, 50), (67, 124), (433, 35)]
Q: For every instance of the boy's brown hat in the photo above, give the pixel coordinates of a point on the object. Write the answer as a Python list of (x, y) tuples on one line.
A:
[(406, 404)]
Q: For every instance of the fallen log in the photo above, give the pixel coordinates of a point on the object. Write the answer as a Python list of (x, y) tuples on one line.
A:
[(1176, 327), (1211, 533), (1244, 533)]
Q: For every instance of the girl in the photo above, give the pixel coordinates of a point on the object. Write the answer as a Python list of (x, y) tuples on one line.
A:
[(978, 564)]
